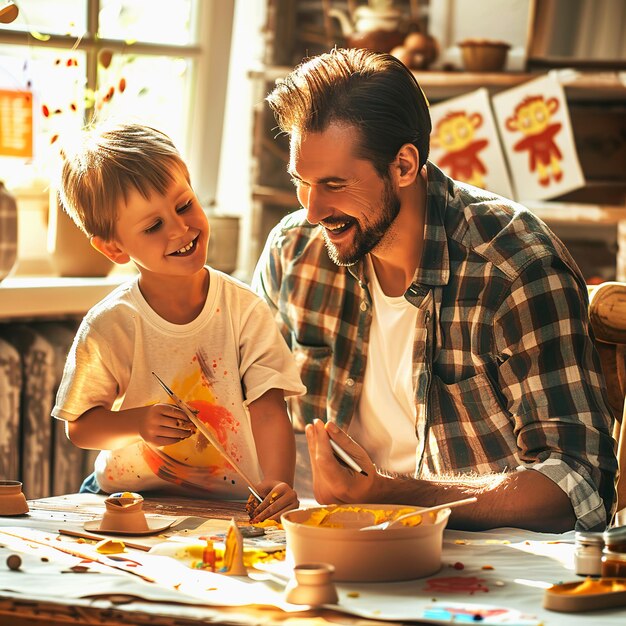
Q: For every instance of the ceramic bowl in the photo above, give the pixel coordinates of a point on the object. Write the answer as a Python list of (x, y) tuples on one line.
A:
[(12, 500), (399, 553)]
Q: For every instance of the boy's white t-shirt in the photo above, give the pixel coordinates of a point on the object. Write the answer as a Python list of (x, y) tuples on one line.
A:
[(229, 356), (388, 435)]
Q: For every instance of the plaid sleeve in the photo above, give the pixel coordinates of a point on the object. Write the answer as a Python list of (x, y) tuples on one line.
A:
[(267, 278), (550, 377)]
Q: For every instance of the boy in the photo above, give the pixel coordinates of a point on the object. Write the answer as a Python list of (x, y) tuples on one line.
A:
[(208, 336)]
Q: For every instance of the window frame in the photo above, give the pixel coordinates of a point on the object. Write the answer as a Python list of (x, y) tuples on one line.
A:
[(207, 95)]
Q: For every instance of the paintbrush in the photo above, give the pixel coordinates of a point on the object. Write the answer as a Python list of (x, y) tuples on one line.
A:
[(191, 415)]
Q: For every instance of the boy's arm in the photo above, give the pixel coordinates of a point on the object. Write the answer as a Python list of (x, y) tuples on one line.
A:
[(276, 450), (101, 429)]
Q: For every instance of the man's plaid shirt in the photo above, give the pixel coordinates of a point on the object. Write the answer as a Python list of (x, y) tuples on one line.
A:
[(505, 372)]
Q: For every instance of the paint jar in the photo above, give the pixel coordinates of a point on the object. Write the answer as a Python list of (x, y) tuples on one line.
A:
[(614, 553), (588, 553)]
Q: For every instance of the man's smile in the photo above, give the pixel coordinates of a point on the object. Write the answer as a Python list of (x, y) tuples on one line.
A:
[(336, 228)]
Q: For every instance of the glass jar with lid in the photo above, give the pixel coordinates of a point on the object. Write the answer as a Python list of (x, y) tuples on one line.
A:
[(614, 553), (588, 553)]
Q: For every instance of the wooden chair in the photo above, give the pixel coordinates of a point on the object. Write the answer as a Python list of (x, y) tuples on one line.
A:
[(607, 313)]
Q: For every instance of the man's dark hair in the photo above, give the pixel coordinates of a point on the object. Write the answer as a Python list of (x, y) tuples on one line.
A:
[(374, 92)]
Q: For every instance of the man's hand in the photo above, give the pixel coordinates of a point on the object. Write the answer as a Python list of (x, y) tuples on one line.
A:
[(333, 480), (278, 498), (163, 424)]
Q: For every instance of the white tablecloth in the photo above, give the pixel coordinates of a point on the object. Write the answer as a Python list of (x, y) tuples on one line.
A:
[(496, 577)]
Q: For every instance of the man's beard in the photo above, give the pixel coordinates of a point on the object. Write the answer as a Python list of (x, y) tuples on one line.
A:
[(365, 240)]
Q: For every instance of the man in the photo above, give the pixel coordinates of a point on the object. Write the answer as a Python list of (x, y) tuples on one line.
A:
[(444, 328)]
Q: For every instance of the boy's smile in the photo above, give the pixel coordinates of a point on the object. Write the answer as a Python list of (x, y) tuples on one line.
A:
[(186, 250)]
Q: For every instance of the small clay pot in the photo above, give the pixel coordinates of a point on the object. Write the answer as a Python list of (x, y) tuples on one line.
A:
[(124, 514), (12, 500), (312, 585)]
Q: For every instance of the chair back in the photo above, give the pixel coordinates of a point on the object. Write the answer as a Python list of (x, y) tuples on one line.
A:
[(607, 314)]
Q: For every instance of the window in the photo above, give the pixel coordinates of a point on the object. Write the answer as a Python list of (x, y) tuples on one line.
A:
[(160, 62)]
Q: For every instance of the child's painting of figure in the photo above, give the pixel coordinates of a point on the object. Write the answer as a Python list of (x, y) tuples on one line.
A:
[(465, 145), (534, 124)]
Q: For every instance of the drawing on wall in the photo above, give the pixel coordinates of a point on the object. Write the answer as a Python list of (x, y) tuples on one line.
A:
[(465, 144), (536, 132)]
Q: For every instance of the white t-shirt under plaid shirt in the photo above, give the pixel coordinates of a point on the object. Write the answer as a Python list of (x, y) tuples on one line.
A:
[(388, 436), (505, 374)]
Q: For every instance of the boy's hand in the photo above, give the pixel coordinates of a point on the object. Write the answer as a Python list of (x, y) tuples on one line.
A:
[(278, 498), (164, 424)]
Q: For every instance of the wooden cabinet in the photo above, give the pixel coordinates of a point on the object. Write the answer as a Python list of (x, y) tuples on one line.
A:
[(590, 220)]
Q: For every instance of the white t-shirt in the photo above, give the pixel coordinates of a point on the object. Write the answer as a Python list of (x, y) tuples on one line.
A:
[(229, 356), (384, 423)]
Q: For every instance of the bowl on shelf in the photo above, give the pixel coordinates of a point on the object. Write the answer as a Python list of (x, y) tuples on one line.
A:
[(484, 55), (332, 534)]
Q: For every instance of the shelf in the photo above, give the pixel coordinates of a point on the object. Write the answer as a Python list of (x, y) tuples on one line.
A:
[(437, 85), (571, 212), (552, 210), (46, 297), (606, 86)]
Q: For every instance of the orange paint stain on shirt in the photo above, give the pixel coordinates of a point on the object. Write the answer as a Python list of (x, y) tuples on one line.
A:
[(219, 418)]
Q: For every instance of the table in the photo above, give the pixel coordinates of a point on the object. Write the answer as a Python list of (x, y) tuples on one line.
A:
[(496, 575), (40, 608)]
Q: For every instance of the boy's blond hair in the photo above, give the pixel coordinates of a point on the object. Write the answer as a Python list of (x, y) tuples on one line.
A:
[(105, 164)]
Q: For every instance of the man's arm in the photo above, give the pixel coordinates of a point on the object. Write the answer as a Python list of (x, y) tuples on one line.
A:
[(524, 499), (551, 381)]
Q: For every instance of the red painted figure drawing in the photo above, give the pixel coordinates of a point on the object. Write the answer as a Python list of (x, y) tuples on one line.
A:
[(455, 134), (532, 118)]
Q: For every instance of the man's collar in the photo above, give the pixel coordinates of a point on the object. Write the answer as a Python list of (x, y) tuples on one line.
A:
[(434, 267)]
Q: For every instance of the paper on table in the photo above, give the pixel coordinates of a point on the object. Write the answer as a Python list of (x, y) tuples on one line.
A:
[(499, 576)]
